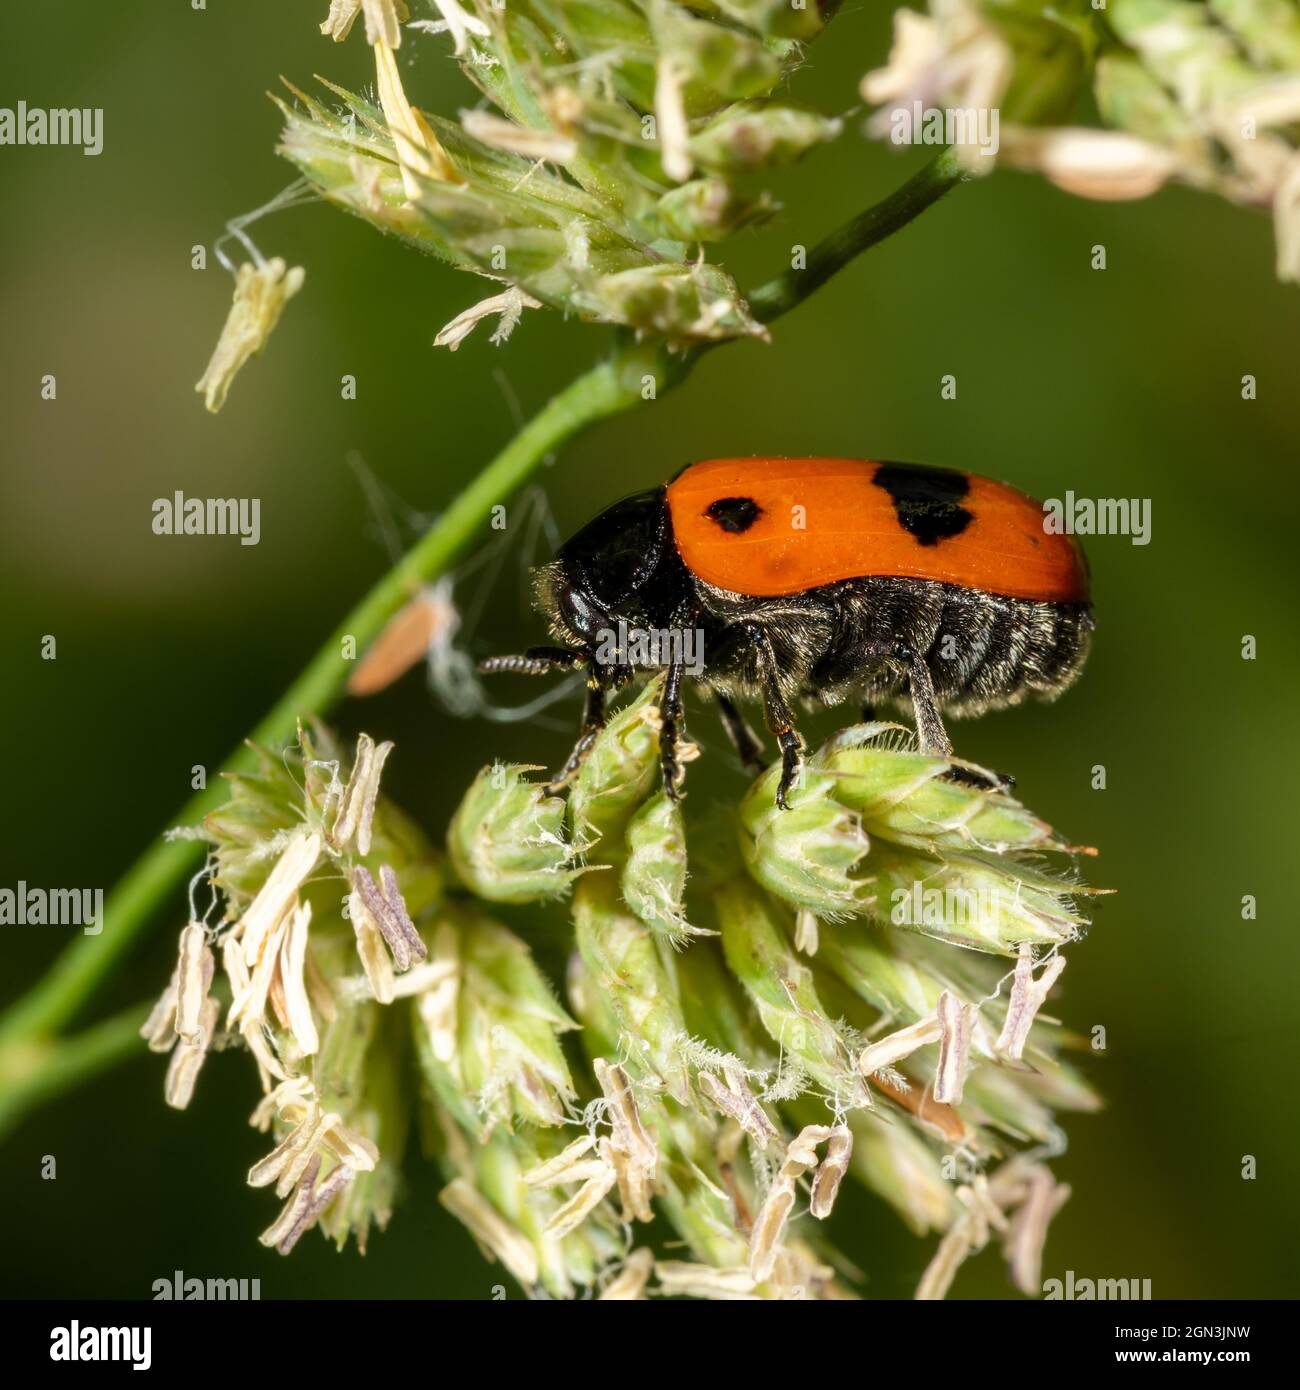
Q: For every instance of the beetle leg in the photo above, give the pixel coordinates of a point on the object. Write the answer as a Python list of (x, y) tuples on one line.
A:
[(930, 733), (985, 781), (743, 739), (780, 721), (670, 713), (593, 721)]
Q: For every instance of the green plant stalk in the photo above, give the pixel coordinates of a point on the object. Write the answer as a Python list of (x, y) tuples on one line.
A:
[(46, 1068), (859, 234), (607, 389), (604, 390)]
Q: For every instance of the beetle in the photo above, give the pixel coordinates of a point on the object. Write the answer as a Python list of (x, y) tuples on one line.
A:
[(812, 581)]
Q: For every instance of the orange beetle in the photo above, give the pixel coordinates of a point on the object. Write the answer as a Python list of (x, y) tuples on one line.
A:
[(816, 580)]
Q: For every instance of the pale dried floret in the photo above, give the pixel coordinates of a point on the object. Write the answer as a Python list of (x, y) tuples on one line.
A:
[(288, 1096), (456, 21), (419, 154), (567, 1166), (525, 141), (368, 175), (1023, 1244), (1027, 997), (356, 811), (799, 1275), (261, 292), (306, 1206), (293, 989), (635, 1178), (629, 1150), (249, 1006), (629, 1133), (383, 20), (955, 1021), (831, 1171), (312, 1131), (952, 1251), (955, 57), (509, 305), (496, 1237), (1019, 1200), (278, 893), (438, 1005), (884, 1052), (734, 1098), (400, 933), (375, 960), (689, 1280), (769, 1226), (194, 970), (386, 910), (770, 1223), (187, 1058), (159, 1029), (580, 1206), (251, 1029), (425, 978), (287, 1162), (1286, 221), (628, 1285), (670, 122), (914, 67), (565, 107), (968, 1233), (1107, 165), (354, 1149), (801, 1155)]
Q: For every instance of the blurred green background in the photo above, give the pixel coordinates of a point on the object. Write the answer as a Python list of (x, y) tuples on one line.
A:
[(1125, 383)]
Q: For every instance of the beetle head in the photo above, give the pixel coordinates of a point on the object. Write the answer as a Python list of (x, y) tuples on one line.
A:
[(621, 567)]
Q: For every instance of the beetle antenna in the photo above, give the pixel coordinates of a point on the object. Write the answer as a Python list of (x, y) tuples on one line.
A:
[(537, 661)]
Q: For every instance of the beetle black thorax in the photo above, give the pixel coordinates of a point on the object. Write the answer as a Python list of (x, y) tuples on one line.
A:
[(620, 572)]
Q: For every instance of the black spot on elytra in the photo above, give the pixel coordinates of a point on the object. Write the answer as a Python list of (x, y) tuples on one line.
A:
[(925, 499), (734, 514)]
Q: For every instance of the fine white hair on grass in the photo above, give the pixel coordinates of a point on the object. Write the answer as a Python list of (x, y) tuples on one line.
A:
[(431, 625), (214, 898), (298, 194)]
